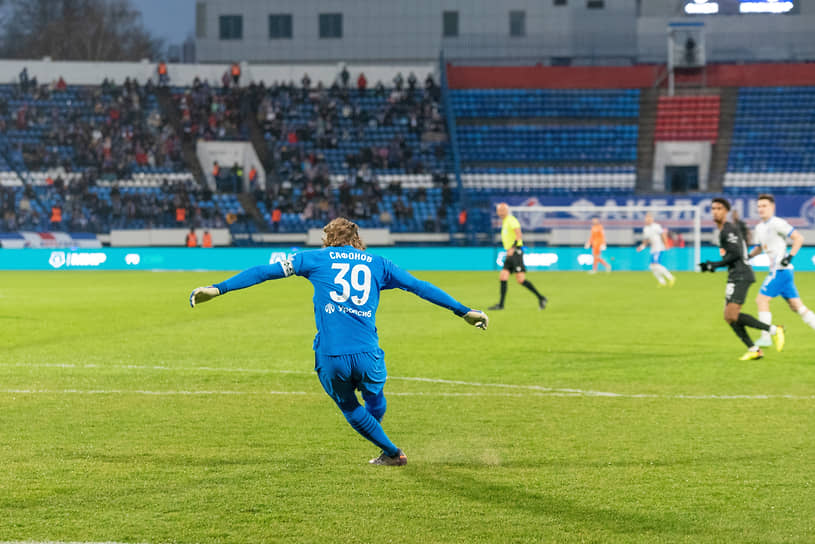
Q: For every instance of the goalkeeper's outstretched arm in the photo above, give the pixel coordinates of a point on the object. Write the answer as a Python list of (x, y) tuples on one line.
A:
[(247, 278), (400, 279)]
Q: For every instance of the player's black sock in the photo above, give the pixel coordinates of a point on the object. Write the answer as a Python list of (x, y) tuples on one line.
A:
[(741, 332), (749, 321), (528, 285), (503, 292)]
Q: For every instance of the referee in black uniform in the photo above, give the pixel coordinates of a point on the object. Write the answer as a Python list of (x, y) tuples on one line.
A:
[(513, 243)]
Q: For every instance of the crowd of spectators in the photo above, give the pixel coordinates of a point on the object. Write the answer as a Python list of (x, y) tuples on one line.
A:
[(84, 206), (300, 124), (212, 113), (325, 118), (113, 129), (360, 196), (18, 214)]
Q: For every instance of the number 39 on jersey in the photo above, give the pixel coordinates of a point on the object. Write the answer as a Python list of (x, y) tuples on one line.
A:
[(357, 278)]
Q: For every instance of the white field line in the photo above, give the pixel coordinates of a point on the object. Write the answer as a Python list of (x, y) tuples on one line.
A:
[(517, 390), (527, 394), (166, 393)]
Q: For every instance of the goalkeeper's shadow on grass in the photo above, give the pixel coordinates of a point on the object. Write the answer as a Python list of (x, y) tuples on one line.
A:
[(546, 503)]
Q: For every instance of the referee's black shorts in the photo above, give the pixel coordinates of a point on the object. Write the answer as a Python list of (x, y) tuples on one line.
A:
[(515, 262), (735, 292)]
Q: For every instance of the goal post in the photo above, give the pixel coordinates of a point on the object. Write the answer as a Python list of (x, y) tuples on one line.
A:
[(554, 226)]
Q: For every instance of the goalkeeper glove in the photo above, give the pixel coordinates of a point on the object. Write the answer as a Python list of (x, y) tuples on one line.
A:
[(477, 318), (707, 266), (203, 294), (786, 260)]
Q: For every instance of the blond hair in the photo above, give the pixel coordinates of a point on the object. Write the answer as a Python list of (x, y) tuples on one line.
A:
[(342, 232)]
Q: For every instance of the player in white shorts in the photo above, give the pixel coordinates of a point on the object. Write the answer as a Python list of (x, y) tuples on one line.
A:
[(771, 236), (654, 235)]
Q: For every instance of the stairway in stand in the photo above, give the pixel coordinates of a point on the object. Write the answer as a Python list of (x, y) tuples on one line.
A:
[(165, 100), (645, 140), (721, 149), (247, 200)]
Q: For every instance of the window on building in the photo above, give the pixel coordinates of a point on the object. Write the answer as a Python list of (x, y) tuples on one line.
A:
[(595, 4), (331, 25), (449, 24), (200, 20), (280, 26), (231, 27), (560, 2), (517, 23)]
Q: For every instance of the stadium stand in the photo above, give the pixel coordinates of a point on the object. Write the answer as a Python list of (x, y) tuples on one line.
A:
[(549, 144), (530, 104), (90, 159), (368, 154), (115, 129), (547, 141), (773, 136)]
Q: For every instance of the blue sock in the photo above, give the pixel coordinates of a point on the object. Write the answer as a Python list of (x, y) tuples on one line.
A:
[(365, 424), (376, 405)]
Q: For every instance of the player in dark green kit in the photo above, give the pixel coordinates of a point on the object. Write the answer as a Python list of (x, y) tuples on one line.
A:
[(739, 278)]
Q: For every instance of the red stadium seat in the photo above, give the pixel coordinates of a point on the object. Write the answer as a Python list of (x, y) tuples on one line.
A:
[(687, 118)]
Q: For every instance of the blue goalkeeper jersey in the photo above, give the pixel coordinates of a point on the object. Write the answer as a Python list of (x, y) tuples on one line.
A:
[(347, 282)]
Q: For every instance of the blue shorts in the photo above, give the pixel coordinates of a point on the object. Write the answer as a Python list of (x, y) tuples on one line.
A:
[(780, 283), (656, 257), (342, 375)]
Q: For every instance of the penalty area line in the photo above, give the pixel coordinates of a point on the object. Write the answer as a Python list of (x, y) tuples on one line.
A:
[(569, 392), (142, 392), (521, 390)]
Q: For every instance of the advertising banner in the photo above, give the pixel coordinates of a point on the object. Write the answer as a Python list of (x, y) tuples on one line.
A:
[(412, 258), (797, 209)]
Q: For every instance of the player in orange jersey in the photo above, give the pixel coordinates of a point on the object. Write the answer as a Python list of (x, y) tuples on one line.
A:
[(597, 242)]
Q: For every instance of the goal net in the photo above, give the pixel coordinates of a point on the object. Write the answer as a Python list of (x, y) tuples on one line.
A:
[(570, 226)]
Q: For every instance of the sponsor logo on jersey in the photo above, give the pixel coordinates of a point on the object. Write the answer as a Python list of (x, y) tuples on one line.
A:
[(329, 308), (354, 311)]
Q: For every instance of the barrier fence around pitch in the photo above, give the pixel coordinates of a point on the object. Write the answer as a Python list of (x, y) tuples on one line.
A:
[(410, 258)]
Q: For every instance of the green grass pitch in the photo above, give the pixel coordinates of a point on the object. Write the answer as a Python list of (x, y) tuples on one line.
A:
[(618, 414)]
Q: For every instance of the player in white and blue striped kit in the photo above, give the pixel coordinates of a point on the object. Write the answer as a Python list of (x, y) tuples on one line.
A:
[(654, 235), (771, 236), (347, 281)]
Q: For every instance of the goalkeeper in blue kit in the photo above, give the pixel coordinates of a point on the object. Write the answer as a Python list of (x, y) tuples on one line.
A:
[(347, 357)]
